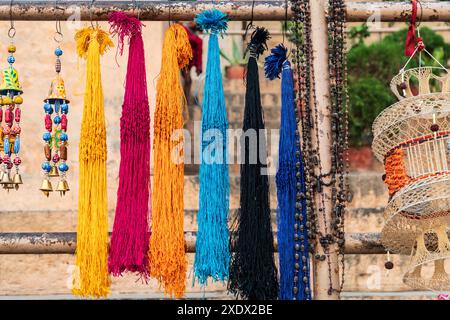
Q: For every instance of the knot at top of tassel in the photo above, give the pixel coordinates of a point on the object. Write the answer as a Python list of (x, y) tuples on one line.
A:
[(212, 21), (86, 35), (124, 25), (275, 61), (180, 42), (258, 42)]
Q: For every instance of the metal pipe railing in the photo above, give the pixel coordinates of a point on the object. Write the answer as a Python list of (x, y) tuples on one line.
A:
[(186, 10), (65, 243)]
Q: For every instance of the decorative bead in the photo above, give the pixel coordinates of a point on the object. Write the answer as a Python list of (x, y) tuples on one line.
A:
[(63, 152), (11, 59), (6, 130), (17, 161), (17, 114), (8, 116), (9, 165), (389, 265), (46, 136), (58, 52), (16, 129), (63, 167), (47, 152), (65, 108), (57, 120), (63, 136), (48, 123), (18, 100), (46, 166), (48, 108), (434, 127), (11, 48), (55, 158), (64, 122)]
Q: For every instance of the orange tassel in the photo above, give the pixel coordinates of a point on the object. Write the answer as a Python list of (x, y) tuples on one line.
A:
[(396, 175), (167, 245)]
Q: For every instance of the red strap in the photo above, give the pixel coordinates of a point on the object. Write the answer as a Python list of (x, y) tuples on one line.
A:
[(410, 44)]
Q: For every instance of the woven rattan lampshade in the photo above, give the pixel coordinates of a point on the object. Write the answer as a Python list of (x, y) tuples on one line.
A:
[(412, 139)]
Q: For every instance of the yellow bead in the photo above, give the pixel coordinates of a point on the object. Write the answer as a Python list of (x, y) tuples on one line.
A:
[(6, 100), (18, 100), (11, 48)]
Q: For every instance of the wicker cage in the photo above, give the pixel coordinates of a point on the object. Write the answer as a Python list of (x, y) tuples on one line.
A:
[(412, 139)]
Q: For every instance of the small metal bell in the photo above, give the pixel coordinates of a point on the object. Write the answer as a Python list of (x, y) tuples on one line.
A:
[(17, 180), (6, 179), (61, 188), (54, 172), (66, 185), (46, 187)]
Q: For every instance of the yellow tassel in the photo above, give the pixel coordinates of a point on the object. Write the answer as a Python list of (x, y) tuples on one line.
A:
[(167, 246), (92, 228)]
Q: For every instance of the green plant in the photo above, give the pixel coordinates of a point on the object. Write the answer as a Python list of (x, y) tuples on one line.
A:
[(359, 33), (236, 56)]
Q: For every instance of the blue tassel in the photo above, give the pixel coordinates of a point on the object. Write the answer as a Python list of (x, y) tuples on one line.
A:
[(212, 255), (286, 180)]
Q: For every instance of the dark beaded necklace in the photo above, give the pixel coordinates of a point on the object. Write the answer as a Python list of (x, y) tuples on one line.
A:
[(333, 231)]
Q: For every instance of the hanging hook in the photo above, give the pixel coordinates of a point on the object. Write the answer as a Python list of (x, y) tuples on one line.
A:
[(250, 25), (90, 15), (137, 8), (58, 37), (170, 18), (285, 19), (12, 29)]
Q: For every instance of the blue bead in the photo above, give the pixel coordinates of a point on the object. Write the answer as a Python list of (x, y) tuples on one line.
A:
[(11, 59), (63, 167), (48, 108), (57, 120), (6, 149), (46, 136), (63, 136), (58, 52), (65, 108), (46, 166)]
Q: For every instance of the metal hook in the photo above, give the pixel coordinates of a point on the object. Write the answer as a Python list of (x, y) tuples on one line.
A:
[(58, 37), (12, 29), (90, 15), (137, 8), (250, 25), (285, 20)]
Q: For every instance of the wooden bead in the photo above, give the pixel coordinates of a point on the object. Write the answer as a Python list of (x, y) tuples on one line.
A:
[(48, 152), (63, 152)]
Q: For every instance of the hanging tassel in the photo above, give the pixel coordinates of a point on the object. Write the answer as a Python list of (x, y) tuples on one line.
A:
[(92, 228), (131, 233), (253, 274), (167, 253), (212, 248), (291, 213)]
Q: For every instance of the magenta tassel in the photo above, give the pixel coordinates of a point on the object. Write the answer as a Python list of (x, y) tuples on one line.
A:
[(131, 232)]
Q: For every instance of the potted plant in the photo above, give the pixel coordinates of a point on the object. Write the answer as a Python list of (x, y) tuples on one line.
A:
[(236, 69)]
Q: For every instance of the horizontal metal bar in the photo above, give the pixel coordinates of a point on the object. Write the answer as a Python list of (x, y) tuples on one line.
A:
[(186, 10), (65, 242)]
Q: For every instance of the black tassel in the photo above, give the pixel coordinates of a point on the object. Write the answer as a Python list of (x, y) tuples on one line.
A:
[(253, 274)]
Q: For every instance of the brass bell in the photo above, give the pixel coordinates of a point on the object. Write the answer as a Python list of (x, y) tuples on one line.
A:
[(46, 187), (60, 188), (54, 172), (17, 180), (6, 179), (66, 185)]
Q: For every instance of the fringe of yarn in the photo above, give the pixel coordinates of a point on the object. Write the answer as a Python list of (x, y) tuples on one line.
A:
[(131, 232), (92, 228), (289, 152), (167, 245), (212, 252), (253, 274)]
